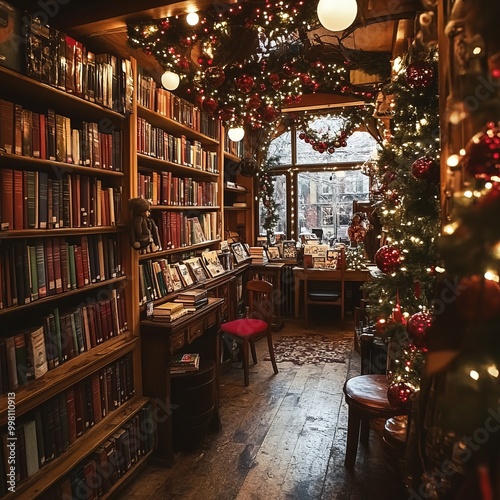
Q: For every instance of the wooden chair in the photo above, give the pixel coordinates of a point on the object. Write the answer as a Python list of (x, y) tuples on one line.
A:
[(247, 331), (366, 396)]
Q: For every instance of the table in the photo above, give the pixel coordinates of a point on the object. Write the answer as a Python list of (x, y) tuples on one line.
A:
[(195, 332), (322, 274)]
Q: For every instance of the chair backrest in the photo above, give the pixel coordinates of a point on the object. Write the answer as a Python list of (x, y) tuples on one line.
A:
[(260, 300)]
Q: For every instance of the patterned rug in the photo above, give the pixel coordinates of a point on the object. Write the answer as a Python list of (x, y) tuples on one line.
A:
[(312, 349)]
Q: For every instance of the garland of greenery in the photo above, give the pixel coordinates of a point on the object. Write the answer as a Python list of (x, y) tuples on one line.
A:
[(266, 194)]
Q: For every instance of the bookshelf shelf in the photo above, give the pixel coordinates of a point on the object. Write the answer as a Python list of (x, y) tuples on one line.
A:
[(176, 168), (171, 251), (43, 233), (159, 120), (231, 157), (185, 207), (14, 84), (235, 190), (230, 208), (54, 381), (59, 467), (61, 168), (54, 298)]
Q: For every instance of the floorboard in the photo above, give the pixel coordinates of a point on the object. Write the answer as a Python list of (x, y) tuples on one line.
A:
[(283, 437)]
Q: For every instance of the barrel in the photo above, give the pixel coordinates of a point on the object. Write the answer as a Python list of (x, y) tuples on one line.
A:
[(193, 405)]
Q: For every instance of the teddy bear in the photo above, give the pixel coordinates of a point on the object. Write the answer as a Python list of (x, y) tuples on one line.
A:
[(143, 230)]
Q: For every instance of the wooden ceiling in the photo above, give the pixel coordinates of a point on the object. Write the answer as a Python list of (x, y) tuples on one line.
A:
[(380, 25)]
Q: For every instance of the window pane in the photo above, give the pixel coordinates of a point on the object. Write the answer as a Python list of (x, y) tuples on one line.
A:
[(280, 199), (281, 149), (325, 201)]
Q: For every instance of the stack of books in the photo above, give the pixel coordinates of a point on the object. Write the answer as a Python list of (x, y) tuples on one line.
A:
[(258, 255), (184, 363), (169, 311), (192, 299)]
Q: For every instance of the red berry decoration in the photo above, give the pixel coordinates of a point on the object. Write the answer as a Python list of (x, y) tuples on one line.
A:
[(419, 74), (209, 105), (388, 259), (482, 154), (479, 298), (270, 114), (245, 83), (417, 327), (215, 76), (254, 102), (399, 394), (425, 168)]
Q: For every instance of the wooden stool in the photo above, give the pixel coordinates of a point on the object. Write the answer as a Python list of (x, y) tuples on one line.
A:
[(366, 396)]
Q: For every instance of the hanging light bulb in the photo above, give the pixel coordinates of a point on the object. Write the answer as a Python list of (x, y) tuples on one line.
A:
[(236, 133), (192, 19), (170, 80), (337, 15)]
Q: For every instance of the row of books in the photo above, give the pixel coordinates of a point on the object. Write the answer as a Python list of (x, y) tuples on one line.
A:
[(155, 142), (60, 336), (154, 97), (51, 136), (234, 148), (95, 475), (33, 269), (50, 429), (159, 278), (177, 229), (162, 188), (59, 60), (39, 200)]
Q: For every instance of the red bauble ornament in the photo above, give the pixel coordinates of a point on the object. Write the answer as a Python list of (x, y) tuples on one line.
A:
[(248, 167), (482, 154), (419, 74), (209, 105), (254, 102), (417, 327), (288, 70), (479, 298), (215, 76), (274, 78), (425, 168), (270, 114), (305, 79), (244, 83), (388, 259), (399, 394)]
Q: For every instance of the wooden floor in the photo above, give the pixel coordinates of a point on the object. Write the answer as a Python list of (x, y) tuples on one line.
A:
[(283, 437)]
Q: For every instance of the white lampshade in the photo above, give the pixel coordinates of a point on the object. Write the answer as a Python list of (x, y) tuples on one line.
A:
[(337, 15), (236, 133), (192, 19), (170, 80)]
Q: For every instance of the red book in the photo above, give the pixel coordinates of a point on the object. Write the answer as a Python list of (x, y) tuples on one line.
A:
[(18, 130), (105, 207), (85, 260), (75, 199), (7, 198), (43, 137), (35, 135), (88, 311), (96, 398), (70, 65), (84, 200), (7, 126), (80, 277), (109, 318), (18, 200), (80, 405), (71, 413)]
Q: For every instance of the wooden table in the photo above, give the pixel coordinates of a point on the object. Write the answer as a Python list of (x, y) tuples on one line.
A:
[(196, 332), (322, 274)]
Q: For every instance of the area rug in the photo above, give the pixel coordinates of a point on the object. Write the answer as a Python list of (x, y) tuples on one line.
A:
[(312, 349)]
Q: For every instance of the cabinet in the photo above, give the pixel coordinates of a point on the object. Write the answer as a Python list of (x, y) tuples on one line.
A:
[(71, 397)]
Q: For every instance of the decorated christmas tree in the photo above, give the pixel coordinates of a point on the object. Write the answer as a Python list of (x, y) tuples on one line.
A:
[(406, 187)]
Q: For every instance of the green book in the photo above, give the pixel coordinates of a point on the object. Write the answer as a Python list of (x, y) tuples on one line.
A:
[(57, 337), (33, 272)]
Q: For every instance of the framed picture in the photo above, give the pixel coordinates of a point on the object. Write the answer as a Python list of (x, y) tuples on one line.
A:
[(273, 252), (184, 274), (197, 270), (239, 252), (212, 263), (289, 249), (332, 258), (176, 277)]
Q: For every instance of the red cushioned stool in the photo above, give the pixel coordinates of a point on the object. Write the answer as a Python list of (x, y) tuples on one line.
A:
[(247, 331)]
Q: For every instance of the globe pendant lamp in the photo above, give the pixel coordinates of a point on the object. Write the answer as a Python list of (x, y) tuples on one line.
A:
[(337, 15), (236, 134), (170, 80)]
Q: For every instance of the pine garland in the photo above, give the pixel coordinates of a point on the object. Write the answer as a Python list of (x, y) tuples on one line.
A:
[(266, 194)]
